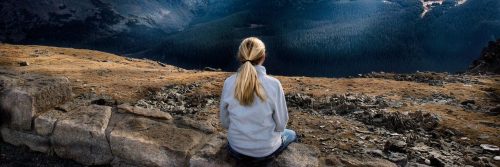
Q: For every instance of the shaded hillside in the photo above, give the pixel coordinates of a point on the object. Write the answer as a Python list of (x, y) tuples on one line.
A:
[(489, 62), (307, 37)]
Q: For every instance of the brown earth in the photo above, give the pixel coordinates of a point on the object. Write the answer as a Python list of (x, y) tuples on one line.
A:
[(128, 80)]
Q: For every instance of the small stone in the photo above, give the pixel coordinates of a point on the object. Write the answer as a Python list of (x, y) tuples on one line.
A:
[(483, 136), (395, 146), (496, 158), (489, 147), (24, 63), (376, 153), (466, 102), (427, 162)]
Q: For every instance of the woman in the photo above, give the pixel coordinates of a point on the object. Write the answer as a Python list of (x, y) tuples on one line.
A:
[(253, 108)]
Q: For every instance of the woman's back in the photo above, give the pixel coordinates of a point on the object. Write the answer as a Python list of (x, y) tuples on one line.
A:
[(253, 107), (255, 130)]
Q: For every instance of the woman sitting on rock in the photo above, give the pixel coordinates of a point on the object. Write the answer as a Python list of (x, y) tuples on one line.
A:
[(253, 108)]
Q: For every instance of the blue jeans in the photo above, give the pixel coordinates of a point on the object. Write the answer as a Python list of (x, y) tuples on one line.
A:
[(287, 137)]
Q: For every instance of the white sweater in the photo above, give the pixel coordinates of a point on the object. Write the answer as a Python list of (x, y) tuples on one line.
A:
[(254, 130)]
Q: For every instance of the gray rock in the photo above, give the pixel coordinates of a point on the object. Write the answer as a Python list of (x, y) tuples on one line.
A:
[(18, 138), (44, 123), (146, 142), (489, 147), (19, 106), (203, 125), (398, 158), (75, 103), (496, 158), (212, 154), (154, 113), (298, 155), (395, 146), (37, 94), (376, 152), (81, 135)]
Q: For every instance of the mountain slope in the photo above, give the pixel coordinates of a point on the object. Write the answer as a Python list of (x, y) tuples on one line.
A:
[(306, 37), (435, 116)]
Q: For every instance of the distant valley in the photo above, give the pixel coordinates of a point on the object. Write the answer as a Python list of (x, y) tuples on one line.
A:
[(312, 38)]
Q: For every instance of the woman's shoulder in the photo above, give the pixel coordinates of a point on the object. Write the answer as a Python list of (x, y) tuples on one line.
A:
[(230, 79), (272, 80)]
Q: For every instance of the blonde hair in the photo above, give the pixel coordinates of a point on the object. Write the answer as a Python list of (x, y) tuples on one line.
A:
[(250, 52)]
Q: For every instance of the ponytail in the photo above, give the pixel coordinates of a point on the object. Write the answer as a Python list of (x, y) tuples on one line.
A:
[(250, 51)]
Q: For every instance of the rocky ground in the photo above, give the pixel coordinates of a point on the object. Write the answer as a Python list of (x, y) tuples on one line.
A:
[(377, 119), (12, 156)]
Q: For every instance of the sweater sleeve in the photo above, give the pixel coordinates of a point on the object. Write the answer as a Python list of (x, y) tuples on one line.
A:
[(280, 114), (224, 113)]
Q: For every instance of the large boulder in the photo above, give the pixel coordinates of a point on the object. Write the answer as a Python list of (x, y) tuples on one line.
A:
[(18, 105), (24, 96), (81, 135), (142, 141), (19, 138)]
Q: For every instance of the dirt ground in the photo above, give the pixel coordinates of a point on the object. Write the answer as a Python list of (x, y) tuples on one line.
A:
[(128, 80)]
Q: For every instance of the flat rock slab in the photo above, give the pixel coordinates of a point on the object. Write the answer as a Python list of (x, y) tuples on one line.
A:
[(81, 135), (146, 142), (202, 125), (154, 113), (18, 138), (25, 95)]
